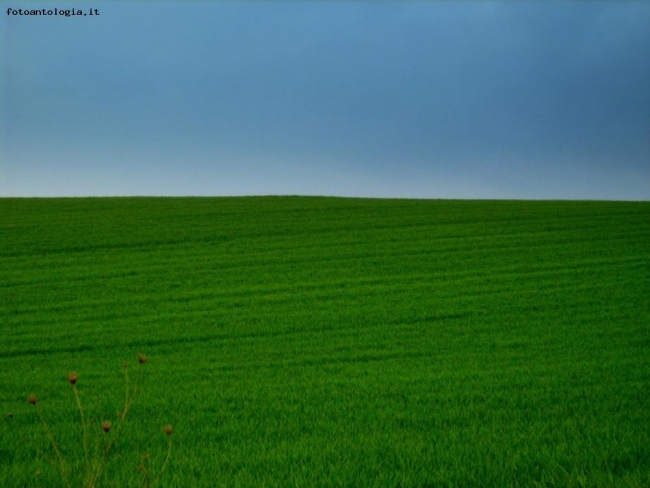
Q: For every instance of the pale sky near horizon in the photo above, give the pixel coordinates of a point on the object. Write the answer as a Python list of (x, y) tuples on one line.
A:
[(413, 99)]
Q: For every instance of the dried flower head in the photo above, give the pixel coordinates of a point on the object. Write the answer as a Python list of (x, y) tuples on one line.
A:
[(125, 365), (142, 358), (10, 415), (73, 377), (32, 399), (106, 426), (168, 429)]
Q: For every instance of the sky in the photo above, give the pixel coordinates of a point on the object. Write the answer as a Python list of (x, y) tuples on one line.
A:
[(393, 99)]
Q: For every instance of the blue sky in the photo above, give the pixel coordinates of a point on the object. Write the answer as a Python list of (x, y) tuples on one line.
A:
[(415, 99)]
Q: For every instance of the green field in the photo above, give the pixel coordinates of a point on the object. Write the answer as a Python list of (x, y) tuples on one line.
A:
[(302, 341)]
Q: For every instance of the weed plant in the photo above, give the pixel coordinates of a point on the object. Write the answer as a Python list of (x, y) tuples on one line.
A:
[(99, 437)]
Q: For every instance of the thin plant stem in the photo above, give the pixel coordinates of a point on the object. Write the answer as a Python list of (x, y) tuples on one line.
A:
[(83, 425), (102, 462), (129, 398), (164, 466), (63, 469)]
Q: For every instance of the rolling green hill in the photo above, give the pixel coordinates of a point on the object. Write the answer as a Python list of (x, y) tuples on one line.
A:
[(298, 341)]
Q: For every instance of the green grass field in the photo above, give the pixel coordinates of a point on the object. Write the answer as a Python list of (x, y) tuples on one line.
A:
[(299, 341)]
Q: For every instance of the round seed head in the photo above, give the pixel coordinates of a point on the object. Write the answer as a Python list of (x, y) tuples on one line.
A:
[(142, 358), (73, 377), (168, 429), (10, 415), (32, 399), (106, 426)]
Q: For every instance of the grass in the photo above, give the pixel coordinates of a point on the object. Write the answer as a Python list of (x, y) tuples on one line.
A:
[(300, 341)]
